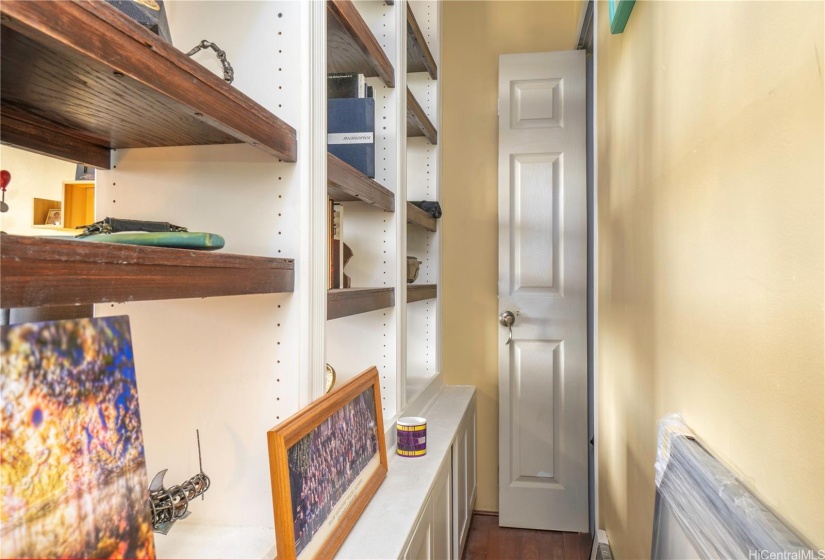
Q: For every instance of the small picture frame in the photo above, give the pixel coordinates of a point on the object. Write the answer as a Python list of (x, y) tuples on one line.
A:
[(54, 217), (326, 462)]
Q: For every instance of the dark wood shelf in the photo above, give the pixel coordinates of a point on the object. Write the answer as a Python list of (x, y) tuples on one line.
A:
[(417, 216), (81, 78), (419, 57), (345, 183), (351, 46), (37, 271), (420, 292), (418, 124), (352, 301)]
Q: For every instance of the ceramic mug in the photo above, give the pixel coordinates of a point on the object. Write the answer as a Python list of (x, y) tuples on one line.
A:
[(412, 436)]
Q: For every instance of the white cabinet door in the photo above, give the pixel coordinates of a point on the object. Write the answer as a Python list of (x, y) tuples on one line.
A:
[(460, 487), (471, 462), (442, 512), (421, 541), (432, 537), (464, 479)]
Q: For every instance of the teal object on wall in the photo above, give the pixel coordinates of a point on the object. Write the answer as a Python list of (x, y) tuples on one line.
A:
[(619, 14)]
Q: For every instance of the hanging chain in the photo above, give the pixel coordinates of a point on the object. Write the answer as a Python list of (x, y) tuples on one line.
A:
[(228, 71)]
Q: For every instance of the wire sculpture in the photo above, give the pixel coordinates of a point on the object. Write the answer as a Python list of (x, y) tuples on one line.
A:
[(170, 504)]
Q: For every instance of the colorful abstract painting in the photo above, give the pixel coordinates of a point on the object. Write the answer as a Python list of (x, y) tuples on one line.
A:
[(72, 470)]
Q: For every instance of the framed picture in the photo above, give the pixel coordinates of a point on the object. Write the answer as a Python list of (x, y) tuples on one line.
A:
[(54, 217), (619, 14), (326, 463)]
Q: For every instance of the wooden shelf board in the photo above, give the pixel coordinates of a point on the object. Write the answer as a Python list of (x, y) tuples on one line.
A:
[(417, 216), (36, 271), (352, 301), (419, 57), (345, 183), (351, 46), (420, 292), (81, 78), (418, 124)]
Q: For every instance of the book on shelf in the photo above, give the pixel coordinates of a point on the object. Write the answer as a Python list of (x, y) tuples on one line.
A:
[(336, 244), (345, 85), (348, 85), (351, 132)]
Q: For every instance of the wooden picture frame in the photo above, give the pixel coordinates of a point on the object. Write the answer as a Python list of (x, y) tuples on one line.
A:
[(317, 497)]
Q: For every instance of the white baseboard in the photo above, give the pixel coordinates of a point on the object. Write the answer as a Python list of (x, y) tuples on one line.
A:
[(601, 547)]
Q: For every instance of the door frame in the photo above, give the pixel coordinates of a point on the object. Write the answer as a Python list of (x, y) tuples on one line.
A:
[(587, 39)]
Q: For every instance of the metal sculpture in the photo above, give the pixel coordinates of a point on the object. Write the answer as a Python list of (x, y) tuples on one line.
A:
[(170, 504)]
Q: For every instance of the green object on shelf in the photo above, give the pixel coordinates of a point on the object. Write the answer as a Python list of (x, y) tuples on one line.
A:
[(619, 14), (174, 240)]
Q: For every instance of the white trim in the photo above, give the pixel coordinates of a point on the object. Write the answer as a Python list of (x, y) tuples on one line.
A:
[(596, 438), (598, 539), (439, 194), (311, 268), (401, 207)]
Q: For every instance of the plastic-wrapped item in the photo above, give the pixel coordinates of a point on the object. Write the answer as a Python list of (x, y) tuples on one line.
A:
[(719, 516)]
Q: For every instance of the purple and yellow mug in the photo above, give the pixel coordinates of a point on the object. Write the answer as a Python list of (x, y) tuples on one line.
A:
[(412, 436)]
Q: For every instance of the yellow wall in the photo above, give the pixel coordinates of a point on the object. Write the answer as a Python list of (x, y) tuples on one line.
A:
[(474, 35), (710, 162)]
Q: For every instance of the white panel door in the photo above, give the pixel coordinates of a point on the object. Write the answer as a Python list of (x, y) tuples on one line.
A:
[(543, 282)]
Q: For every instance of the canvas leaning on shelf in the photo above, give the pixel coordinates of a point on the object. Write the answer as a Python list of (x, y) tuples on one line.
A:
[(326, 462), (72, 463)]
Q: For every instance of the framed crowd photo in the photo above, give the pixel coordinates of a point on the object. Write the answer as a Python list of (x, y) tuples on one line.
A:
[(326, 462)]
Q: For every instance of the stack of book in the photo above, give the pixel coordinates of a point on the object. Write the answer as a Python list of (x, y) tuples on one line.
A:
[(351, 121)]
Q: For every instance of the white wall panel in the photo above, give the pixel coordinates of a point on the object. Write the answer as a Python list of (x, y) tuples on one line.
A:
[(426, 14), (357, 342), (422, 321), (370, 233), (228, 366)]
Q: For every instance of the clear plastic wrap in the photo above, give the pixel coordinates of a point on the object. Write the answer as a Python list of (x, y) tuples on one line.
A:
[(719, 516)]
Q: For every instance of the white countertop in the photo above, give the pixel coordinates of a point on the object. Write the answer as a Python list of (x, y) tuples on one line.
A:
[(383, 528)]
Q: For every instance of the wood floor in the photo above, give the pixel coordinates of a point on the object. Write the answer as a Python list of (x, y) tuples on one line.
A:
[(488, 541)]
